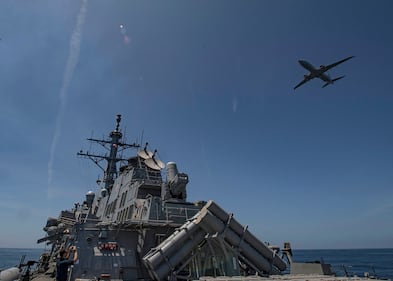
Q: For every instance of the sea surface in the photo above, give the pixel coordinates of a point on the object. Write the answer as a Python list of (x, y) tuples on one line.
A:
[(377, 262), (10, 257)]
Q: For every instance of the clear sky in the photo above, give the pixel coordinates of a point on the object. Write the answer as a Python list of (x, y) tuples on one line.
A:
[(210, 85)]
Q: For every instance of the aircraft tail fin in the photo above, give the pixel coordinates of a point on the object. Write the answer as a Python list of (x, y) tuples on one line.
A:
[(333, 80)]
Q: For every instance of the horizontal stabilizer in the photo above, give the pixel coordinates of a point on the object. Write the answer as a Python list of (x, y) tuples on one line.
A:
[(332, 81), (338, 78)]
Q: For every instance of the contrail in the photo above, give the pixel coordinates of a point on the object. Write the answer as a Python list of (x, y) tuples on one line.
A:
[(72, 61)]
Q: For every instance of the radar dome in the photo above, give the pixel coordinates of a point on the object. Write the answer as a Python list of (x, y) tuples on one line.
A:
[(104, 192), (90, 198)]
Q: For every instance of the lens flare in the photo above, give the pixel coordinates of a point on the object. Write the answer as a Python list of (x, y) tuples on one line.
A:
[(123, 31)]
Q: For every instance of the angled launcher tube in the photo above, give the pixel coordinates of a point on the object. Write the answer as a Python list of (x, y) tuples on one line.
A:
[(168, 263), (173, 250), (246, 235), (171, 245), (210, 220), (212, 224)]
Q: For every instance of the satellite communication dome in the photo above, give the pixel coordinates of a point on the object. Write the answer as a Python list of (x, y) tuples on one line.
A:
[(90, 198)]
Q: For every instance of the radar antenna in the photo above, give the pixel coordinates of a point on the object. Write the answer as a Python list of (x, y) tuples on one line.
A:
[(154, 163), (115, 146), (145, 154)]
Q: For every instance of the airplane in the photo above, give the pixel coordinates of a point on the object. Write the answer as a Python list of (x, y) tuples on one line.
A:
[(320, 72)]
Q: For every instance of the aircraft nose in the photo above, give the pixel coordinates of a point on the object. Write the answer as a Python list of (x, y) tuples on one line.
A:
[(305, 64)]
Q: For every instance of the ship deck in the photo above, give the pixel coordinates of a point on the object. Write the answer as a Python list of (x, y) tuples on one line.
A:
[(297, 277)]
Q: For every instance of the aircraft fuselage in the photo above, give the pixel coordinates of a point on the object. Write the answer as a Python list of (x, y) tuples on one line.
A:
[(315, 72), (319, 72)]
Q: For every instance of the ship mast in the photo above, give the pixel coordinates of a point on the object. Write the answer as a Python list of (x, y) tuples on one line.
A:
[(114, 141)]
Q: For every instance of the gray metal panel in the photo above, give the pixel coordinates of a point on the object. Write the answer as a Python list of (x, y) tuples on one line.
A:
[(311, 268)]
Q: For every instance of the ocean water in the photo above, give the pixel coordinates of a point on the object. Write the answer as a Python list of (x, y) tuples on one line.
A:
[(10, 257), (377, 262), (355, 261)]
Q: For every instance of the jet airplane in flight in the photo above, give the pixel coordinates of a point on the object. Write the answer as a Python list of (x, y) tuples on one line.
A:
[(319, 72)]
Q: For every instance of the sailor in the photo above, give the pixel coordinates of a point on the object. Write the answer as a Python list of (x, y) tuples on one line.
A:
[(64, 262)]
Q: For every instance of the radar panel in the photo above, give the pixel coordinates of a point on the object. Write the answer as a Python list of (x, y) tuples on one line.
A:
[(154, 163)]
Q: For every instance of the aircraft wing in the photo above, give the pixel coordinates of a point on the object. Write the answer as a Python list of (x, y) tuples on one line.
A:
[(337, 63), (301, 83), (332, 81)]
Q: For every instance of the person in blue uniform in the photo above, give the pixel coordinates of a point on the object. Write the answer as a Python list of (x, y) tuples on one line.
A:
[(64, 262)]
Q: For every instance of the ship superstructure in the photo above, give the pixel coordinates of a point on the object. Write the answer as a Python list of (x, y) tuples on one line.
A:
[(140, 226)]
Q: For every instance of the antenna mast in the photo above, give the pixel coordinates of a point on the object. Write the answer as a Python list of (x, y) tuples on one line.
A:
[(114, 141)]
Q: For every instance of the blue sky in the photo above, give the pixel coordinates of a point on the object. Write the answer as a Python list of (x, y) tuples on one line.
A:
[(210, 85)]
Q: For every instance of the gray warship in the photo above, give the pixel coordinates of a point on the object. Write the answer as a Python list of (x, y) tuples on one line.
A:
[(140, 226)]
